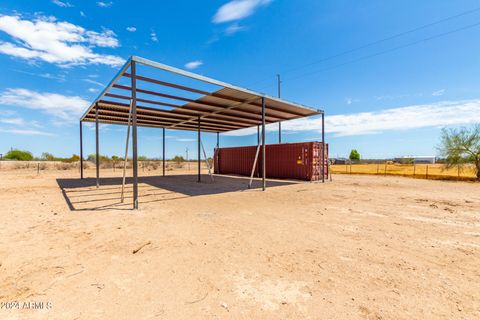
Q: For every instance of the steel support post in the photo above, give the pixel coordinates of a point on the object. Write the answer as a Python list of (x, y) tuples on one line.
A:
[(81, 150), (218, 140), (97, 146), (280, 132), (163, 155), (264, 184), (133, 69), (199, 177), (258, 135), (323, 147), (126, 152)]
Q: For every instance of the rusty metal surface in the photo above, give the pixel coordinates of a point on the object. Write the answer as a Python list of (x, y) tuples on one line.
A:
[(300, 161)]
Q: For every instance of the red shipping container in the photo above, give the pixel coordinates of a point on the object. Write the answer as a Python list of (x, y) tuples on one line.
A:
[(300, 161)]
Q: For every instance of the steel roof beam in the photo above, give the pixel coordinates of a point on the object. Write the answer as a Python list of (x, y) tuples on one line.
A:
[(190, 111), (222, 96)]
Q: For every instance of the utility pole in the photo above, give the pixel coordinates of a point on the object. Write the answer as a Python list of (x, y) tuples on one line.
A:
[(279, 123)]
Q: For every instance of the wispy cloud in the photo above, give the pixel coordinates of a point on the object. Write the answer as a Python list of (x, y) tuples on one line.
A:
[(193, 64), (46, 75), (63, 4), (61, 107), (185, 140), (93, 82), (438, 93), (439, 114), (58, 42), (238, 9), (13, 121), (104, 4), (26, 132), (93, 90), (234, 28), (131, 29), (153, 36)]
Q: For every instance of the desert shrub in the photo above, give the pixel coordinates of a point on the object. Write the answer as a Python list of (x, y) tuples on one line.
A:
[(153, 165), (65, 166), (73, 158), (20, 155), (47, 156), (20, 165), (178, 159)]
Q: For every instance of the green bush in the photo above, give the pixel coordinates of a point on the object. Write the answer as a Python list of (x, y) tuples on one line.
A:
[(47, 156), (21, 155), (354, 155), (73, 158), (178, 159)]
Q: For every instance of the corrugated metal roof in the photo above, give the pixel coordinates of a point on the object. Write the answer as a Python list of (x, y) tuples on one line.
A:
[(229, 108)]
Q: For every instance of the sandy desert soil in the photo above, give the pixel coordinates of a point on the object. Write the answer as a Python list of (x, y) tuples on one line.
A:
[(360, 247)]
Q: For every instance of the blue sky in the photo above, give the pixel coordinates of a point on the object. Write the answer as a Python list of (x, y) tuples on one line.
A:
[(384, 98)]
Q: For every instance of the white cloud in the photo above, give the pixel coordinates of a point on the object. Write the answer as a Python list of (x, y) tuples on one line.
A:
[(153, 36), (185, 140), (57, 42), (439, 114), (83, 14), (348, 100), (237, 10), (438, 93), (193, 64), (131, 29), (13, 121), (26, 132), (63, 4), (93, 82), (46, 75), (92, 90), (233, 28), (104, 4), (61, 107)]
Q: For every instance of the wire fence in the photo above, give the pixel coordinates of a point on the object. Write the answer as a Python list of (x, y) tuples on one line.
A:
[(420, 171)]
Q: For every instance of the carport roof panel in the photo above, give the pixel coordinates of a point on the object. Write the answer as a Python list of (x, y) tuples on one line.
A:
[(229, 108)]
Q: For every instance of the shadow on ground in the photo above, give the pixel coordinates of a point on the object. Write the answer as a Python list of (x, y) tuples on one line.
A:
[(83, 194)]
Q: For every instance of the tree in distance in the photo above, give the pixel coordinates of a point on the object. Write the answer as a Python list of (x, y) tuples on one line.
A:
[(354, 155), (20, 155), (461, 146), (178, 159)]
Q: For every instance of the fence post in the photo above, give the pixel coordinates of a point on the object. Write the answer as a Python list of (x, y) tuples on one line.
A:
[(38, 168), (458, 171), (378, 167), (350, 166), (426, 173), (385, 168), (346, 167), (414, 168)]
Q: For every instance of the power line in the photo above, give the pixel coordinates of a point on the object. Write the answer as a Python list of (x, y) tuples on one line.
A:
[(386, 51), (376, 42), (383, 40)]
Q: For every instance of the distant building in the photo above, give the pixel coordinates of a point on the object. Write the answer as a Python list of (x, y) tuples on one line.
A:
[(416, 159), (340, 160)]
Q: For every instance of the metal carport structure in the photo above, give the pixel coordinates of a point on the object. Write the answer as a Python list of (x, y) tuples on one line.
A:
[(228, 108)]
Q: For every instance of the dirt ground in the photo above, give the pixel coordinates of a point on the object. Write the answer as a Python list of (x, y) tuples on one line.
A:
[(360, 247)]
